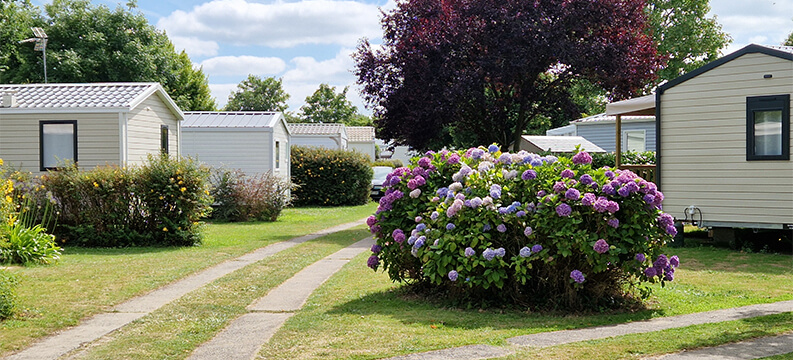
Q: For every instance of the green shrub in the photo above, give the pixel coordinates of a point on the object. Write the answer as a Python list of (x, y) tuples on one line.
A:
[(330, 177), (23, 245), (394, 163), (159, 203), (239, 197), (544, 231), (600, 160), (8, 299)]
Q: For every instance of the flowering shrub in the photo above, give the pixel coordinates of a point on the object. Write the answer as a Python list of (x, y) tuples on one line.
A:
[(521, 227), (159, 203)]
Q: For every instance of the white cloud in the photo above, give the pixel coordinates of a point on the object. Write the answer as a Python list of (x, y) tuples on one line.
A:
[(302, 80), (194, 46), (243, 65), (277, 24), (221, 93)]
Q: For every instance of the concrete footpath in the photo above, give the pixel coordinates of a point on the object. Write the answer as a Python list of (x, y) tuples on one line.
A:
[(753, 349), (243, 338), (99, 325)]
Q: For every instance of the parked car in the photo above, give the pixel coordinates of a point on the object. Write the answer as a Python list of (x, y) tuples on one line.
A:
[(380, 172)]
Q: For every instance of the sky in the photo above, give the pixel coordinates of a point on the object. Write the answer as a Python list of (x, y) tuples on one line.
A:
[(309, 42)]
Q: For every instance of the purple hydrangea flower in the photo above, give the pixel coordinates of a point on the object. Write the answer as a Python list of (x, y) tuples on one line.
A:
[(567, 174), (525, 251), (536, 248), (500, 252), (489, 254), (609, 174), (601, 204), (501, 228), (671, 230), (477, 153), (424, 162), (650, 272), (418, 219), (520, 213), (586, 179), (398, 235), (529, 175), (572, 194), (495, 191), (623, 191), (541, 193), (469, 252), (476, 202), (535, 162), (577, 276), (640, 257), (613, 222), (505, 158), (486, 228), (376, 248), (492, 148), (612, 207), (453, 275), (420, 242), (674, 261), (588, 199), (661, 262), (601, 246), (503, 210), (527, 231), (608, 189), (450, 226), (453, 159), (582, 158), (564, 210), (375, 229), (415, 193), (421, 227), (550, 159), (371, 220), (669, 274), (373, 261), (559, 187), (434, 215), (649, 198)]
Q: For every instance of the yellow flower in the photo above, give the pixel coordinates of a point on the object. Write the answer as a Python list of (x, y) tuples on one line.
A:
[(165, 229), (161, 197), (95, 184), (1, 161), (183, 189)]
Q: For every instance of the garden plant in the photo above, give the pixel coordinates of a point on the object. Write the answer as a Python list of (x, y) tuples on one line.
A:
[(522, 228)]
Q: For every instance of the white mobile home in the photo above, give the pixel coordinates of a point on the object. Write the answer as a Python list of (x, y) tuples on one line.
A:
[(361, 139), (43, 125), (253, 142), (723, 135), (557, 144), (638, 132), (331, 136)]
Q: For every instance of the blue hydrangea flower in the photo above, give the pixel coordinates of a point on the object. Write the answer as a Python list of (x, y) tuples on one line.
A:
[(469, 252), (613, 222), (527, 231), (486, 228), (525, 252), (489, 254), (536, 248), (493, 148), (453, 275), (501, 228), (419, 242), (421, 227), (500, 252), (520, 213), (577, 276), (450, 226)]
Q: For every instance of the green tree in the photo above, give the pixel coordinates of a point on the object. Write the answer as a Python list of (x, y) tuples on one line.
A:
[(96, 44), (255, 93), (684, 34), (17, 61), (327, 106), (359, 120), (789, 40)]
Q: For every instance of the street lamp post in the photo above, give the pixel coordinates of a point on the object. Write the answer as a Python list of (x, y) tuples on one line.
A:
[(40, 37)]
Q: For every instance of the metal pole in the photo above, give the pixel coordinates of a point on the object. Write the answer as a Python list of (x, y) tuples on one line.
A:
[(618, 126), (44, 53)]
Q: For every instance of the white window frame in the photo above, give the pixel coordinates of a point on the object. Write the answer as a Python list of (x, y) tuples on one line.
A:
[(625, 139)]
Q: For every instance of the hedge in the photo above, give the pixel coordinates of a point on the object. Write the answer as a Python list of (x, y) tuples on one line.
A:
[(328, 177)]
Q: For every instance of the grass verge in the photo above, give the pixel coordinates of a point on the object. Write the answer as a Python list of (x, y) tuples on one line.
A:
[(87, 281), (360, 314)]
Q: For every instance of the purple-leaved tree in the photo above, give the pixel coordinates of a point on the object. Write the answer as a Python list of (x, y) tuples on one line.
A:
[(469, 72)]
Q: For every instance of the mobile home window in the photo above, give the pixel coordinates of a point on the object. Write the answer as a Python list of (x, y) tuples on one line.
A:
[(57, 143), (768, 127), (164, 139), (277, 154), (635, 140)]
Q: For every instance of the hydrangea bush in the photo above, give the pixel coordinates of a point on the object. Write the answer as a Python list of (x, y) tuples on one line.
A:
[(522, 228)]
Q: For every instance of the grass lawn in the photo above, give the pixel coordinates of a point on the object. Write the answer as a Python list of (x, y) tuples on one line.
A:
[(361, 314), (87, 281)]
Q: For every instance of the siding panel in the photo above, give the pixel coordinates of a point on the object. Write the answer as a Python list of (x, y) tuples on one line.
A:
[(143, 130)]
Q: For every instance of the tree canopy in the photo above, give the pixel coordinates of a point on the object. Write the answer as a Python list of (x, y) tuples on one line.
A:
[(789, 40), (96, 44), (255, 93), (480, 71), (327, 106), (686, 37)]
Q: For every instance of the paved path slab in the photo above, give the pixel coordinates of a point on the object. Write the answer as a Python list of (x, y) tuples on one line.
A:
[(243, 338), (102, 324), (470, 352), (638, 327), (744, 350)]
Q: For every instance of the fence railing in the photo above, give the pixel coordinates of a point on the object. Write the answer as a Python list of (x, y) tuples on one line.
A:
[(646, 172)]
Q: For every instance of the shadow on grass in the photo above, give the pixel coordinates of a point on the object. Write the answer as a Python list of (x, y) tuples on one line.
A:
[(708, 258), (763, 326), (411, 309)]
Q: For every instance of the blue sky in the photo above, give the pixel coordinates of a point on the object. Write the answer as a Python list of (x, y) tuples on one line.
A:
[(308, 42)]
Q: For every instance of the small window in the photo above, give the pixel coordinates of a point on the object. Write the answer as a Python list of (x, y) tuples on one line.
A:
[(57, 143), (635, 140), (277, 154), (768, 127), (164, 139)]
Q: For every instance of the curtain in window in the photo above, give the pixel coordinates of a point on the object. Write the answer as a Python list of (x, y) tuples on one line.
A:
[(57, 144), (768, 132)]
